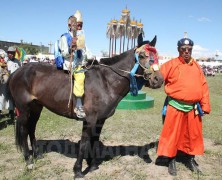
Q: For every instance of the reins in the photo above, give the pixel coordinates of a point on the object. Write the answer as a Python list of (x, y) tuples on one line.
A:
[(129, 72), (114, 69), (154, 67)]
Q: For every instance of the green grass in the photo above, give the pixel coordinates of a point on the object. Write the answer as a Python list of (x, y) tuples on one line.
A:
[(125, 127), (213, 122)]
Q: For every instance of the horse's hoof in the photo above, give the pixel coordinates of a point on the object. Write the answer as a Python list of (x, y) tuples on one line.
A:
[(30, 166), (38, 156), (93, 168), (29, 163), (79, 175)]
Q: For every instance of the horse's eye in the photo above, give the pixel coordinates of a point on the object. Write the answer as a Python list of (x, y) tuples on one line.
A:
[(141, 56), (151, 61)]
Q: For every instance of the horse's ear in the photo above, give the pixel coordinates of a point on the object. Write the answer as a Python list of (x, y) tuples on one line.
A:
[(153, 42), (140, 39)]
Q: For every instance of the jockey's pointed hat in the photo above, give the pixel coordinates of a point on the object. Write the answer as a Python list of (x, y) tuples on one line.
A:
[(78, 16)]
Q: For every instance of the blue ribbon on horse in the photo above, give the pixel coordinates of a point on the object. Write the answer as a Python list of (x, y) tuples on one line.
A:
[(133, 81)]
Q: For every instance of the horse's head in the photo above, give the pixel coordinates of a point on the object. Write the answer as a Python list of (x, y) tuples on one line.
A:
[(148, 60)]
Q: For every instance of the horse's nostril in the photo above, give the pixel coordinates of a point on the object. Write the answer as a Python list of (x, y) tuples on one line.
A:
[(156, 78)]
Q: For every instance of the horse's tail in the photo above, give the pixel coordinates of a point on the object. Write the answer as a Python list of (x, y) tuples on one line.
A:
[(8, 92), (18, 129)]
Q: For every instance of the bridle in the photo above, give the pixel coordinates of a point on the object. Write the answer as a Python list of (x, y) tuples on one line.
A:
[(151, 67)]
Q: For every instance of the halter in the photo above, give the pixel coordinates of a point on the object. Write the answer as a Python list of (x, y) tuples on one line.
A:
[(152, 66), (148, 66)]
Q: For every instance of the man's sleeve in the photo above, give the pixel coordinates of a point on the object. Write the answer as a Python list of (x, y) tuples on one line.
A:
[(205, 101), (9, 67), (63, 45)]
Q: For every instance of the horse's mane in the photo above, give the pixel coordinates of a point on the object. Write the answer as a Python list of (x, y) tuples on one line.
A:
[(115, 59)]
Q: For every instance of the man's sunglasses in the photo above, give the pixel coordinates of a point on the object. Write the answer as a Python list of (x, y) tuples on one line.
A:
[(189, 49)]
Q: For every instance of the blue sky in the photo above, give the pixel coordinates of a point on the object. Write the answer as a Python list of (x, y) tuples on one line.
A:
[(42, 21)]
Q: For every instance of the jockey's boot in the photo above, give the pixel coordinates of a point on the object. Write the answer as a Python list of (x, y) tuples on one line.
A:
[(192, 164), (80, 113), (172, 167), (79, 110)]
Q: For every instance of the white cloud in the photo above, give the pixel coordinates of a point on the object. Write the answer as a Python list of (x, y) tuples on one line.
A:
[(199, 48), (218, 52), (204, 19), (200, 19), (201, 52)]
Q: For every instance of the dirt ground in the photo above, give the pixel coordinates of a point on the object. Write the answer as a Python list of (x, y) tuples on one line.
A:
[(119, 161)]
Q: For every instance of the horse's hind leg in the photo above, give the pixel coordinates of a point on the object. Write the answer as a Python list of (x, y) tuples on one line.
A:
[(33, 119), (22, 135)]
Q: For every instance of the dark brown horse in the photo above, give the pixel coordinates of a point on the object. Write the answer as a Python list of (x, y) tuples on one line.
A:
[(38, 85)]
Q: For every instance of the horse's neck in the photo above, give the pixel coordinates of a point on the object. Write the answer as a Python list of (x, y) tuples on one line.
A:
[(116, 72), (126, 62)]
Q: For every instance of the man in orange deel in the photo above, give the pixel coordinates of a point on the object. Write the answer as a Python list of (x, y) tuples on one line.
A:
[(187, 100)]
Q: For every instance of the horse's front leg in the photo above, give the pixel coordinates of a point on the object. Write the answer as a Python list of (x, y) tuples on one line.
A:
[(84, 144), (95, 145)]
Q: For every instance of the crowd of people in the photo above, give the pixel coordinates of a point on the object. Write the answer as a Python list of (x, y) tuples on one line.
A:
[(38, 60), (7, 68)]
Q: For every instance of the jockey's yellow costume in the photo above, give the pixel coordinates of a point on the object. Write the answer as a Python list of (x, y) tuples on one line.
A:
[(78, 61)]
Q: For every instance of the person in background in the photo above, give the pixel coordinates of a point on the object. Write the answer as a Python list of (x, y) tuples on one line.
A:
[(4, 76), (3, 63), (12, 65), (187, 101), (2, 58)]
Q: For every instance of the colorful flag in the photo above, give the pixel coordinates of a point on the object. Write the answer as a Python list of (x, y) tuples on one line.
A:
[(20, 54)]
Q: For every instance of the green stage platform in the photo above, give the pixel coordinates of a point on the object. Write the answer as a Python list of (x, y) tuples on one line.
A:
[(141, 101)]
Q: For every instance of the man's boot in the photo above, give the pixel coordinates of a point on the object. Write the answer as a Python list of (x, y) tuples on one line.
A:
[(192, 164), (172, 167)]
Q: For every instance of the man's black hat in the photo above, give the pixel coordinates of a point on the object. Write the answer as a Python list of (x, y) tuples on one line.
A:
[(185, 41)]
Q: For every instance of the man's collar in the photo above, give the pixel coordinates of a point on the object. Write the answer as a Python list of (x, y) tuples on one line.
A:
[(183, 61)]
